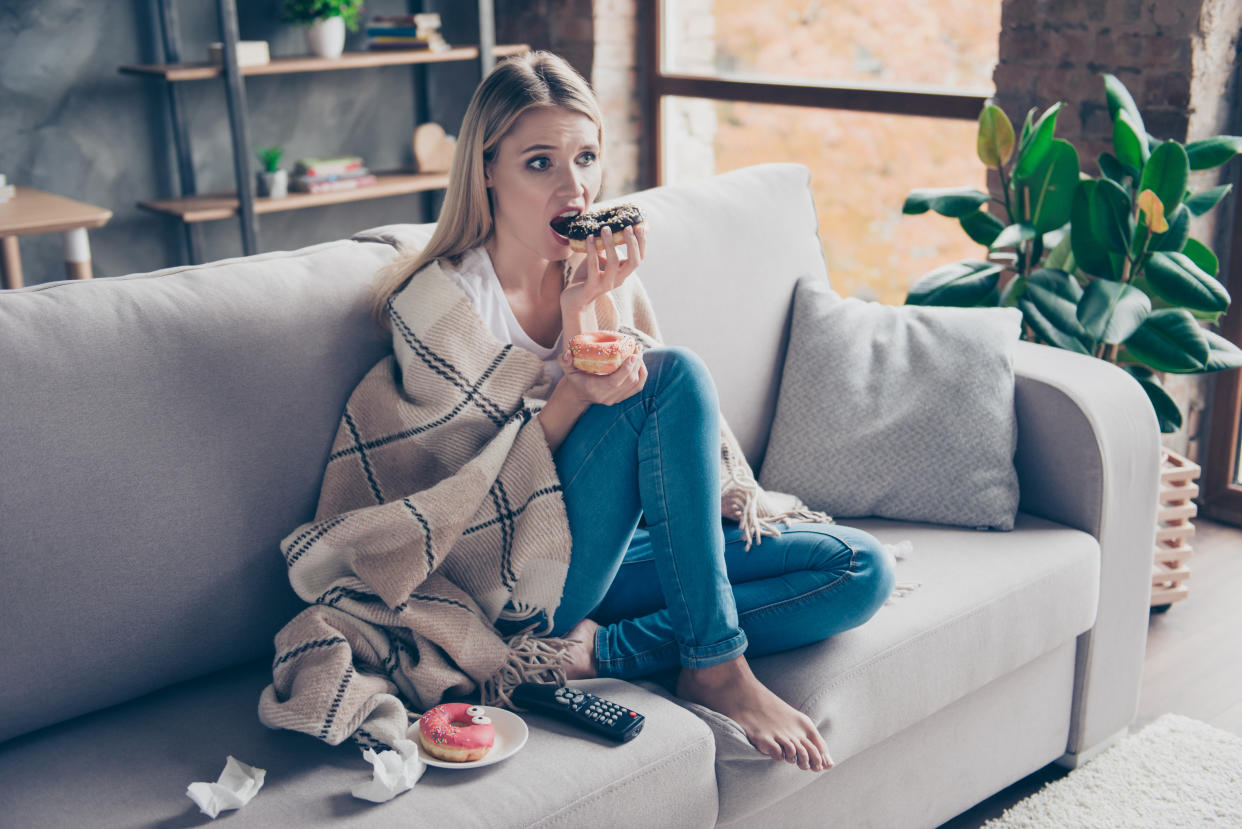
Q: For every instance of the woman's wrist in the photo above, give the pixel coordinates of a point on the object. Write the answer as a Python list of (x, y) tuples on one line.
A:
[(560, 413)]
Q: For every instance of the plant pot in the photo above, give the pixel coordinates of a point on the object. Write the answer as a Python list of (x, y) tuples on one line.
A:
[(274, 185), (326, 37), (1171, 566)]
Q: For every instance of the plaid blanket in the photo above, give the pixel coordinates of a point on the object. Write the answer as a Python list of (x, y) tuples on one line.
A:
[(440, 513)]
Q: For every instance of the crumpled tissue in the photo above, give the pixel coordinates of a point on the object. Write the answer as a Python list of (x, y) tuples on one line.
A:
[(238, 783), (394, 772)]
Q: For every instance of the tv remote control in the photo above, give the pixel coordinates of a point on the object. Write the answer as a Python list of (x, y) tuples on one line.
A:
[(578, 708)]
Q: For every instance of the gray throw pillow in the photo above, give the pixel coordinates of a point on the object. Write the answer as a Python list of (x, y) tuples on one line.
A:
[(897, 411)]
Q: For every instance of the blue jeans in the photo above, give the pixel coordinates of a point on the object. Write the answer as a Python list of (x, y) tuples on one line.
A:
[(682, 591)]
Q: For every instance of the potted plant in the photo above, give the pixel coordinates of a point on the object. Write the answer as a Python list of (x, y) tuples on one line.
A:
[(1103, 266), (325, 21), (273, 181)]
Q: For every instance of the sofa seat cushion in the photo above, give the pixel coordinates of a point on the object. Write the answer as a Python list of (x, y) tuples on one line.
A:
[(987, 603), (129, 766)]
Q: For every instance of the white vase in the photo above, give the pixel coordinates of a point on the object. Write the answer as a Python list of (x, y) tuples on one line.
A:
[(326, 37), (273, 185)]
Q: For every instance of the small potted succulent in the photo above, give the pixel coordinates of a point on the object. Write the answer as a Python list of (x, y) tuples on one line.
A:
[(325, 22), (272, 180)]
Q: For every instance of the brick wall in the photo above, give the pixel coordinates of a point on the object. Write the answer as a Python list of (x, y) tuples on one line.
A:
[(1178, 58)]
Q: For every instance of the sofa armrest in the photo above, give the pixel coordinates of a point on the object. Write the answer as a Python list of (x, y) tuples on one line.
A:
[(1088, 456)]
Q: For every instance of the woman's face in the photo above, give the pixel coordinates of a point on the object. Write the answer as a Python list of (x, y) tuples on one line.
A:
[(547, 164)]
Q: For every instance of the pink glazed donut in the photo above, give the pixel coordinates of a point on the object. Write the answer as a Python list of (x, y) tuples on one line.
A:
[(456, 732)]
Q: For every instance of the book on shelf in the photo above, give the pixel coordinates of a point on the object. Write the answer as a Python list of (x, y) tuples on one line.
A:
[(249, 53), (438, 44), (327, 166), (301, 186), (425, 20), (315, 179)]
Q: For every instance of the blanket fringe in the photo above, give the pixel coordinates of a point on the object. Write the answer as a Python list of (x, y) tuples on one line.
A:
[(531, 659), (744, 501)]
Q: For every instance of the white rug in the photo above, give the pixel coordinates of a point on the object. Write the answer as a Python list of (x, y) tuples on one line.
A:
[(1176, 772)]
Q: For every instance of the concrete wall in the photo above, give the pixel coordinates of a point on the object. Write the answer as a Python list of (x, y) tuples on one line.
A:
[(71, 124)]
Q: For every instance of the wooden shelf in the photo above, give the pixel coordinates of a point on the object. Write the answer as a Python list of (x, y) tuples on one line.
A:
[(211, 207), (349, 60)]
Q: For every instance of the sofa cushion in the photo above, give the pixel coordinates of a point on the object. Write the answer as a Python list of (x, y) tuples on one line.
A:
[(986, 604), (130, 765), (739, 324), (169, 428), (898, 412)]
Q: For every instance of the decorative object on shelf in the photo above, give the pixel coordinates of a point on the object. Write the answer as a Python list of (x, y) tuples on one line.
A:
[(326, 21), (406, 31), (249, 53), (329, 175), (433, 148), (1102, 266), (7, 191), (1171, 565), (273, 181)]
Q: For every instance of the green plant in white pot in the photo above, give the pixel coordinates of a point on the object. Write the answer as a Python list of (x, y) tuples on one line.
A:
[(273, 182), (325, 21), (1103, 266)]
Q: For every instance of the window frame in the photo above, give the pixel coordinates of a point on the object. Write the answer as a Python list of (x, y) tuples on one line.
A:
[(887, 99), (1221, 497)]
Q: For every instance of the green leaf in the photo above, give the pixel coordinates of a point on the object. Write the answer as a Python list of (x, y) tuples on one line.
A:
[(1173, 239), (1119, 100), (1111, 219), (1114, 169), (1035, 144), (981, 226), (1165, 174), (1051, 186), (1213, 152), (1202, 256), (953, 202), (1014, 235), (1090, 252), (1170, 340), (1129, 141), (1203, 201), (1223, 355), (995, 140), (962, 284), (1049, 306), (1110, 311), (1167, 412), (1061, 257), (1013, 292), (1177, 278)]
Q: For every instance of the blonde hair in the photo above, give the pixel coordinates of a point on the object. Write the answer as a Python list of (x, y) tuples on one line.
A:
[(515, 85)]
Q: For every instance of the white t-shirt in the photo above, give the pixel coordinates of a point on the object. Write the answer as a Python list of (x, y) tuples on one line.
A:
[(477, 278)]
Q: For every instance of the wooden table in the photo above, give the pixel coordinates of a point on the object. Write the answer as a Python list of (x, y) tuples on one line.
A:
[(32, 212)]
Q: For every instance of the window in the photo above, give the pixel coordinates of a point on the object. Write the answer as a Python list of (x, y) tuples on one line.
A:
[(875, 110)]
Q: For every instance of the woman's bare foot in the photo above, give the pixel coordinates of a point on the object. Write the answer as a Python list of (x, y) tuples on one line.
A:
[(773, 726), (581, 661)]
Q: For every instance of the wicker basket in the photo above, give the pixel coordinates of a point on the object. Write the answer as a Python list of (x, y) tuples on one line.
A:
[(1171, 566)]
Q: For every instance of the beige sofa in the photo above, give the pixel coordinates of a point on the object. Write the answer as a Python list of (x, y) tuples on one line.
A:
[(162, 432)]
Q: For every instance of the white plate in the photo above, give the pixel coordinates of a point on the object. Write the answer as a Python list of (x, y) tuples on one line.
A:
[(511, 734)]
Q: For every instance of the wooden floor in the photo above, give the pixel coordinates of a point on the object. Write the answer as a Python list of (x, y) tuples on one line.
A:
[(1194, 658)]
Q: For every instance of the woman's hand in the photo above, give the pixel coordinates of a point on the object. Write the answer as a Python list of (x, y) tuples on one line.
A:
[(602, 270), (605, 389)]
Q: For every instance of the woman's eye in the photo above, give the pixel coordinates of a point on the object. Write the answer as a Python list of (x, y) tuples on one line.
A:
[(539, 163), (586, 159)]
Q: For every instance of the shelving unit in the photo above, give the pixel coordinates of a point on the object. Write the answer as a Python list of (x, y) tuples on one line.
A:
[(193, 208)]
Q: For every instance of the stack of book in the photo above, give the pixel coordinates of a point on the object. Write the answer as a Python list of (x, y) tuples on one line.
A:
[(328, 175), (406, 31)]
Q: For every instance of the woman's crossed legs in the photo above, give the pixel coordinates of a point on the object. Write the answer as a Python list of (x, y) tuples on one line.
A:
[(682, 592)]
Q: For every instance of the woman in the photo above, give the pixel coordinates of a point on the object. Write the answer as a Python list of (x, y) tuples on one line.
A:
[(686, 591)]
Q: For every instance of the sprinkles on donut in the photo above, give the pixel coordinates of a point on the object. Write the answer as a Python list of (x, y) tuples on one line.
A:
[(456, 732), (577, 229)]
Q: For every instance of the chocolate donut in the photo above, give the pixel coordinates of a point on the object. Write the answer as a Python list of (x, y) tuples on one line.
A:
[(579, 228)]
